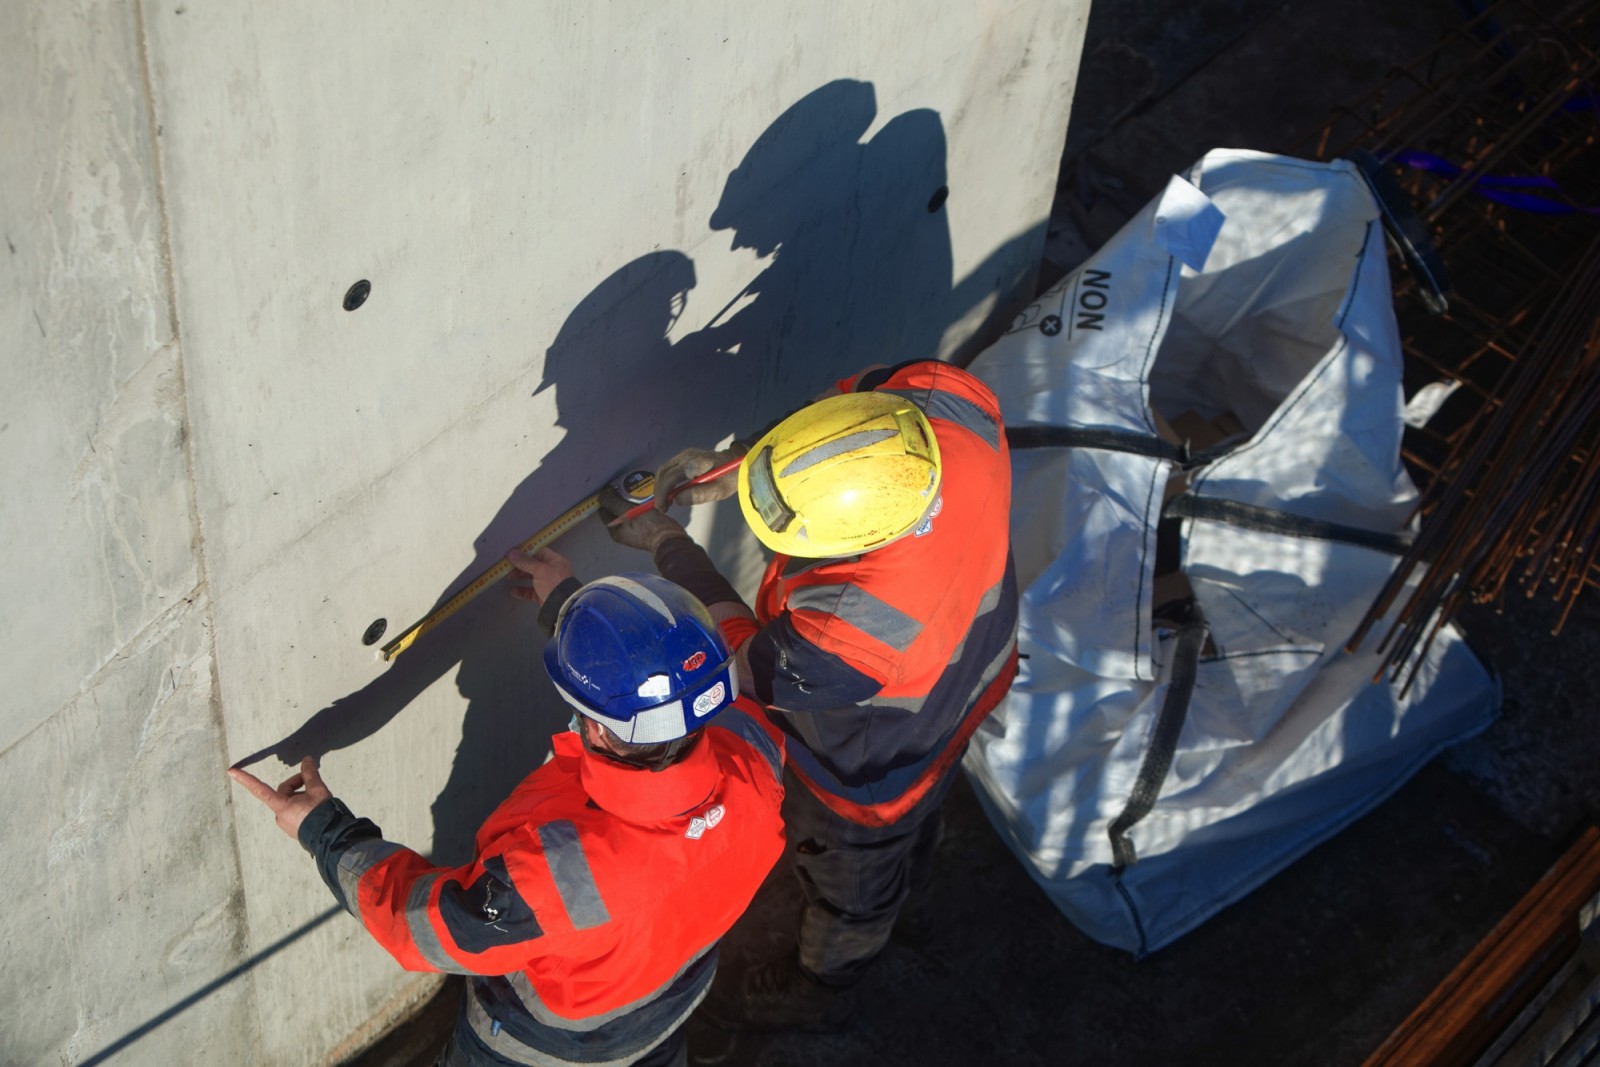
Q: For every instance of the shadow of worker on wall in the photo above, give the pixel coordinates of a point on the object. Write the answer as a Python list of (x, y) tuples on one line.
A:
[(612, 366), (857, 239), (860, 269)]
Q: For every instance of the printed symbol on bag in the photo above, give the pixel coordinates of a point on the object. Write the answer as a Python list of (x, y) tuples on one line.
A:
[(1050, 325), (1093, 296), (1027, 318)]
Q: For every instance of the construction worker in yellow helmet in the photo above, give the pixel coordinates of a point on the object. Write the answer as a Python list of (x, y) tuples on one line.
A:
[(883, 632)]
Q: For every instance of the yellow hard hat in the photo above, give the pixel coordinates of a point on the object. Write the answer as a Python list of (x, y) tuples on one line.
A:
[(841, 476)]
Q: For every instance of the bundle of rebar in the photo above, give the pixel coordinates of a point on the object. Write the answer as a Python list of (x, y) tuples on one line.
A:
[(1518, 505), (1509, 470)]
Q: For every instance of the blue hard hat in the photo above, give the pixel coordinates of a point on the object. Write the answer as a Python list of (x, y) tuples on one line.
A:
[(642, 657)]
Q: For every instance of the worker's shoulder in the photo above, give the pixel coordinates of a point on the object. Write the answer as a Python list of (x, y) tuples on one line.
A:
[(550, 792), (946, 393), (936, 374), (752, 733)]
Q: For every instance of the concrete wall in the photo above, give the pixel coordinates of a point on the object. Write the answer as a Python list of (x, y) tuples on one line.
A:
[(593, 233)]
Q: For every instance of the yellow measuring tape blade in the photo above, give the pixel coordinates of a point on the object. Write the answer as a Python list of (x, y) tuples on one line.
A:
[(641, 487)]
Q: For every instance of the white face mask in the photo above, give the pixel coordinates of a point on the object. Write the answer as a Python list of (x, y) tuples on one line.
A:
[(575, 726)]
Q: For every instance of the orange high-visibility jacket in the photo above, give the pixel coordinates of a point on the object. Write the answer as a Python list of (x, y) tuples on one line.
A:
[(881, 665), (598, 891)]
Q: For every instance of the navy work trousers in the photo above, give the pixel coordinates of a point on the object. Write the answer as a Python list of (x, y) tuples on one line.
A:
[(465, 1050), (856, 878)]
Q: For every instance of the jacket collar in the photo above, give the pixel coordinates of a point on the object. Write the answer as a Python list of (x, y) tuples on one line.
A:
[(640, 796)]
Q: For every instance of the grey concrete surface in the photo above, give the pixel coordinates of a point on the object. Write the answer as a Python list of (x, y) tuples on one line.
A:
[(120, 900), (592, 234)]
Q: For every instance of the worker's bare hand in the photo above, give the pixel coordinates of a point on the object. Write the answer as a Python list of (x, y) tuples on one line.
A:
[(538, 574), (646, 533), (689, 464), (292, 801)]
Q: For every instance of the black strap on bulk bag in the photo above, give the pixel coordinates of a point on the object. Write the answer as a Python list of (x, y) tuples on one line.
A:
[(1268, 520), (1107, 440), (1192, 634), (1114, 441), (1185, 615)]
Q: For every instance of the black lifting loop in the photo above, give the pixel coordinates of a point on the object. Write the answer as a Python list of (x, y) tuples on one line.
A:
[(1192, 634)]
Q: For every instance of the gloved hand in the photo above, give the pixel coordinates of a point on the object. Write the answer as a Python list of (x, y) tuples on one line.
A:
[(689, 464), (646, 533)]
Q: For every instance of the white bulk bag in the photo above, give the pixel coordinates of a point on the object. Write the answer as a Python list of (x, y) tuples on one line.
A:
[(1253, 296)]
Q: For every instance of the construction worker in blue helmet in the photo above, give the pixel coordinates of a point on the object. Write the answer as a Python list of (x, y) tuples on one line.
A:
[(589, 918)]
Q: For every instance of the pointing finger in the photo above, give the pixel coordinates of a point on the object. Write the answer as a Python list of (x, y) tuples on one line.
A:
[(253, 785)]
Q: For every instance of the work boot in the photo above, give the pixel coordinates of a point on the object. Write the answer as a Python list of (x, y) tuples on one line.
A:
[(776, 995)]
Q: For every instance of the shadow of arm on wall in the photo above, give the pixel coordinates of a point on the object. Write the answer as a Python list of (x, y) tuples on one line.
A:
[(609, 366), (209, 988), (359, 715)]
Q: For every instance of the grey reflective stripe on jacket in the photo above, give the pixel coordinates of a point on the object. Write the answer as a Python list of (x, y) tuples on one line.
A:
[(915, 704), (852, 604), (870, 751), (529, 998), (569, 868), (938, 404), (634, 1028), (419, 921), (990, 601), (886, 623), (357, 860)]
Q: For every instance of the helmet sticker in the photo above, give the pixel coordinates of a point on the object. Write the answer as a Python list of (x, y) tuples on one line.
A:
[(694, 662), (710, 700), (926, 525), (657, 685)]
